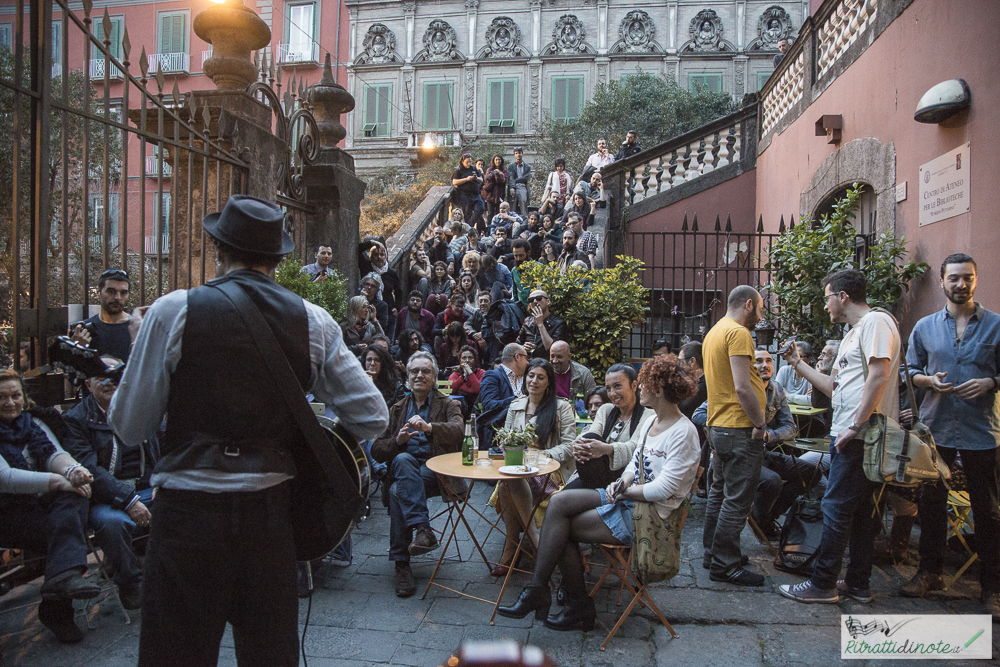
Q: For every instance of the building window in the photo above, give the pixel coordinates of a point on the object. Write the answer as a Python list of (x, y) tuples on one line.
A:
[(56, 48), (115, 37), (762, 78), (96, 216), (567, 97), (502, 106), (376, 111), (706, 83), (437, 106), (300, 35), (162, 213), (172, 44), (7, 36)]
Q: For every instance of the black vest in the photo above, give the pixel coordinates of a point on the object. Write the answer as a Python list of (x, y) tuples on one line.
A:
[(225, 412)]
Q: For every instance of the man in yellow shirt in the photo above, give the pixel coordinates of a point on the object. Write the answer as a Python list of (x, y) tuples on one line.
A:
[(736, 398)]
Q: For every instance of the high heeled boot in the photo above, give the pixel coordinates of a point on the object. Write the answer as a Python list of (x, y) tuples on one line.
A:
[(576, 612), (536, 599)]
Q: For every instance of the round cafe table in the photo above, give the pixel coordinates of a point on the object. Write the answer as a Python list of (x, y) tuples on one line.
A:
[(450, 466)]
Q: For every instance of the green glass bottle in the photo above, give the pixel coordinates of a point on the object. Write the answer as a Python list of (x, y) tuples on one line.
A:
[(468, 446)]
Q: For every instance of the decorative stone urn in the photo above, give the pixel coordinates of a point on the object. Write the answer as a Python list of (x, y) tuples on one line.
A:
[(234, 31), (329, 100)]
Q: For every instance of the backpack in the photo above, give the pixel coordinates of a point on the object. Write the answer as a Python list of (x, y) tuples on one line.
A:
[(505, 318), (800, 537)]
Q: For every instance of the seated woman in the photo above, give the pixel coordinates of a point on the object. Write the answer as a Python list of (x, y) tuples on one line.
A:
[(381, 368), (469, 288), (44, 503), (668, 459), (437, 289), (420, 269), (360, 326), (550, 230), (465, 381), (550, 252), (594, 400), (456, 339), (606, 447), (579, 204), (555, 427), (497, 278)]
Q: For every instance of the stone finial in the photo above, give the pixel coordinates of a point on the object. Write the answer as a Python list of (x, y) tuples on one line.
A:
[(328, 101), (234, 31)]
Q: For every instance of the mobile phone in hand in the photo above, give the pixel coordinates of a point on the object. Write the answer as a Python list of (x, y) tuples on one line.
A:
[(787, 346)]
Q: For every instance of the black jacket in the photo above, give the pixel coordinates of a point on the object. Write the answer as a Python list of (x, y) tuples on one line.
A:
[(93, 443)]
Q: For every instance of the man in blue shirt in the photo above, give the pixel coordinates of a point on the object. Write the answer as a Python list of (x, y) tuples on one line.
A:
[(953, 354)]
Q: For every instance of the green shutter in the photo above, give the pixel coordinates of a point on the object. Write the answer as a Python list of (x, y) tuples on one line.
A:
[(574, 98), (495, 102), (444, 106), (382, 130), (509, 101), (437, 106), (502, 106), (559, 98), (707, 83), (116, 37), (173, 33)]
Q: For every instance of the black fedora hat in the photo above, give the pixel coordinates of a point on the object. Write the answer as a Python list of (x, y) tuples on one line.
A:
[(250, 224)]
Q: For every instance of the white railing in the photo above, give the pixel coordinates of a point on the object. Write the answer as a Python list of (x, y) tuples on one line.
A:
[(170, 63), (783, 96), (157, 243), (298, 53), (97, 70), (432, 139), (205, 55), (704, 153), (153, 166), (841, 29)]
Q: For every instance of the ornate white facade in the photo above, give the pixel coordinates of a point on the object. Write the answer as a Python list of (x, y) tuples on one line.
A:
[(447, 70)]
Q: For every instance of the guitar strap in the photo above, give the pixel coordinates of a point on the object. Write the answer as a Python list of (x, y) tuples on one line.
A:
[(295, 396)]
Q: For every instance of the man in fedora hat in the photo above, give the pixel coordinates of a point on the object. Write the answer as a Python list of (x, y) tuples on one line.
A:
[(221, 547)]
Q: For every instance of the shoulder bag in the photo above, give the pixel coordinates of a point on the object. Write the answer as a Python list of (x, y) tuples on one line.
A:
[(656, 544), (895, 455), (326, 499)]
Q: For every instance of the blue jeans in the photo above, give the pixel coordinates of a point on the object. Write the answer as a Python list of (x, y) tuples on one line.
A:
[(847, 520), (113, 531), (735, 473), (412, 484)]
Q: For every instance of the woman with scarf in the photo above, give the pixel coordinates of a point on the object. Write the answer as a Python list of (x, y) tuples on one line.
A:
[(44, 504), (495, 187)]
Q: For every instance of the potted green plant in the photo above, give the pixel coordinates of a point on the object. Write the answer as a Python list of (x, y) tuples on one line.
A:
[(513, 442)]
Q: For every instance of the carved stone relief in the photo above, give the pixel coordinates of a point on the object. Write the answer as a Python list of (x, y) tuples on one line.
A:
[(773, 26), (536, 87), (503, 40), (470, 98), (378, 47), (636, 34), (569, 38), (706, 33), (408, 100), (440, 43), (740, 70)]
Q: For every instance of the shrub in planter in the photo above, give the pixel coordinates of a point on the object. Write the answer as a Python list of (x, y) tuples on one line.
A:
[(329, 294)]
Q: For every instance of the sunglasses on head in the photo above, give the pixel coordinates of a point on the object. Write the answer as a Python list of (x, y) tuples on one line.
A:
[(114, 274)]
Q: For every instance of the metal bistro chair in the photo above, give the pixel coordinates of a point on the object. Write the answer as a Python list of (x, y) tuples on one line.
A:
[(618, 563), (960, 524)]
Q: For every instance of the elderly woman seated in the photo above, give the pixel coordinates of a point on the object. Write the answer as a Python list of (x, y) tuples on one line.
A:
[(661, 472), (606, 447), (555, 426), (44, 501)]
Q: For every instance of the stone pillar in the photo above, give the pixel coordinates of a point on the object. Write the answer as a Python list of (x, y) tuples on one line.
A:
[(741, 85), (472, 12), (741, 25), (602, 27), (469, 72), (671, 44), (536, 27), (535, 86), (332, 188), (410, 19)]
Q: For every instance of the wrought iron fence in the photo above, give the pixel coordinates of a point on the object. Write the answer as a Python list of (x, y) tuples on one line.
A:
[(77, 195), (690, 273)]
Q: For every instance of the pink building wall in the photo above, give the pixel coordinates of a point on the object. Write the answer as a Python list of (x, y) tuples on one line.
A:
[(931, 41), (734, 198)]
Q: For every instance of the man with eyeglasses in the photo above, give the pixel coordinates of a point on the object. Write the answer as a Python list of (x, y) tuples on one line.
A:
[(121, 488), (108, 331), (423, 425), (863, 381), (541, 328), (499, 387)]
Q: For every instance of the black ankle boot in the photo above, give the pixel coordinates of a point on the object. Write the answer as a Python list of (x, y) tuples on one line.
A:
[(533, 599), (580, 613)]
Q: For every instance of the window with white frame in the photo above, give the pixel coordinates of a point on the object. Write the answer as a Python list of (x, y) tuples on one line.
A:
[(97, 212), (375, 120), (7, 36), (567, 97), (115, 37), (56, 48), (300, 33)]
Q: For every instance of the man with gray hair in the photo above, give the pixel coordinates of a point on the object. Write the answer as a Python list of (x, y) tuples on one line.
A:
[(736, 423), (422, 425), (798, 389), (499, 387)]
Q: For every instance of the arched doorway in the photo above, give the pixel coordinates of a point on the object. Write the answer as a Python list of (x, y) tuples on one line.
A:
[(865, 217)]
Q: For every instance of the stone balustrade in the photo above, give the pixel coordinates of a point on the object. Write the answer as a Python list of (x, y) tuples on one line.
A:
[(841, 29), (785, 93)]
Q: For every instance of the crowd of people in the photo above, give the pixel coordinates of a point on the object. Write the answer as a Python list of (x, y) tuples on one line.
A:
[(716, 405)]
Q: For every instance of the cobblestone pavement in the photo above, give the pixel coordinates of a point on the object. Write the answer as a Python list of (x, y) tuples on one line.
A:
[(357, 620)]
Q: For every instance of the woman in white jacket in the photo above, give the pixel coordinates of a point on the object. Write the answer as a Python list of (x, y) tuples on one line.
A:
[(669, 459)]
